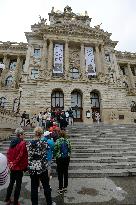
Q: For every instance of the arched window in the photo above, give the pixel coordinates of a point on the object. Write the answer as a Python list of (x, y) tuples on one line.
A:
[(34, 73), (9, 81), (94, 97), (13, 64), (57, 99), (74, 73), (3, 102), (37, 53)]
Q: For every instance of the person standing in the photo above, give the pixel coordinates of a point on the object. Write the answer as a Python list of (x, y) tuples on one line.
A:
[(23, 120), (97, 117), (71, 117), (17, 161), (62, 152), (37, 167)]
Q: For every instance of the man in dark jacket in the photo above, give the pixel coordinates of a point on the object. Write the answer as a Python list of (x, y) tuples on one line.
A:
[(17, 161)]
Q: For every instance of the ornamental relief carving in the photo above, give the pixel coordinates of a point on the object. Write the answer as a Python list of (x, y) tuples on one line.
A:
[(74, 58)]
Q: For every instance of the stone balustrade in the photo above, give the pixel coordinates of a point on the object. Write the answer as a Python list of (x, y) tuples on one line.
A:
[(9, 121)]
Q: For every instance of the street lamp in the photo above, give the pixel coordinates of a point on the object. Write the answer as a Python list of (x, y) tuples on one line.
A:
[(20, 93)]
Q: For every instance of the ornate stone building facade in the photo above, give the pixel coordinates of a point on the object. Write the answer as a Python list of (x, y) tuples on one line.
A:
[(69, 64)]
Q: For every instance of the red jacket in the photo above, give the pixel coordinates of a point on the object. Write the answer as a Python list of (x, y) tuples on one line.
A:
[(18, 156)]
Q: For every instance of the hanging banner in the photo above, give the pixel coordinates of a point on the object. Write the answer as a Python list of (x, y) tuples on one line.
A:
[(58, 58), (89, 59)]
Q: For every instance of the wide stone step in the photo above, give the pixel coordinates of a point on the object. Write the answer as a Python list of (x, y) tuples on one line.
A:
[(103, 150), (91, 146), (104, 159), (104, 154), (101, 173), (98, 166)]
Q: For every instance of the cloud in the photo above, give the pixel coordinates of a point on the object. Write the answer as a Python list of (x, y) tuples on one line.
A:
[(117, 17)]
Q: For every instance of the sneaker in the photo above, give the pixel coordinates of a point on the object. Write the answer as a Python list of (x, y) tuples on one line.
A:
[(50, 177), (60, 191), (53, 203), (65, 190)]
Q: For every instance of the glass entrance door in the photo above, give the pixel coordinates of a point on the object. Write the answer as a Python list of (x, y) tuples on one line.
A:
[(76, 104), (95, 104)]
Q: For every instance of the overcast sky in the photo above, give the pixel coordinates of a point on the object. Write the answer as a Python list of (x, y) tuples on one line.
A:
[(117, 17)]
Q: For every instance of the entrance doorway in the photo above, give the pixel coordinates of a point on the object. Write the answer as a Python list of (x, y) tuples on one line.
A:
[(95, 104), (57, 100), (76, 105)]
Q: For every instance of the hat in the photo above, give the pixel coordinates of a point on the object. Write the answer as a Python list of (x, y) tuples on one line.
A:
[(47, 133), (3, 169)]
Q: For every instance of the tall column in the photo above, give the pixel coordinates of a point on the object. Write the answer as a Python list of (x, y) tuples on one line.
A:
[(131, 79), (28, 55), (17, 72), (50, 57), (82, 62), (5, 61), (66, 60), (97, 58), (44, 59), (5, 71), (103, 70), (115, 65)]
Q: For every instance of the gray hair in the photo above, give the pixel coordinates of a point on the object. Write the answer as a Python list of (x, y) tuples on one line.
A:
[(19, 131)]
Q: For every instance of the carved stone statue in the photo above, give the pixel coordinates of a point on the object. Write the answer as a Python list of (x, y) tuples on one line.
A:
[(67, 9), (42, 20), (86, 14), (52, 10), (133, 106), (98, 26), (102, 78)]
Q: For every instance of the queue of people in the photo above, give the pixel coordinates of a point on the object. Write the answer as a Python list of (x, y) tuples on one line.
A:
[(35, 157), (45, 119)]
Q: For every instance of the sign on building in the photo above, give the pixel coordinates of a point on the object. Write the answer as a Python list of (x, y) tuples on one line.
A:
[(58, 58), (89, 61)]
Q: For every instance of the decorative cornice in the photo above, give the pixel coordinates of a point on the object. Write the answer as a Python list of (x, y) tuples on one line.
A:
[(72, 29), (125, 55), (13, 45)]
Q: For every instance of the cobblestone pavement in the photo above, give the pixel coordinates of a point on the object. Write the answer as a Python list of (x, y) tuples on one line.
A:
[(84, 191)]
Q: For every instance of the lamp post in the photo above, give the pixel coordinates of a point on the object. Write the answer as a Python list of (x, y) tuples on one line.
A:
[(20, 93)]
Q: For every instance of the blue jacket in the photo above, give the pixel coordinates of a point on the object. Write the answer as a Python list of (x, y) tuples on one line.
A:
[(50, 149)]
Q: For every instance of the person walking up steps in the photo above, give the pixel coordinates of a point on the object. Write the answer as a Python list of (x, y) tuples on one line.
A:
[(62, 152)]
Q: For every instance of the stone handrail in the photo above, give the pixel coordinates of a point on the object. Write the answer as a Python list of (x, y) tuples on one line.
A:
[(9, 121)]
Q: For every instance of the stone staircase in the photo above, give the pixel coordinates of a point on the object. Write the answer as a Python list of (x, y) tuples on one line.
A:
[(98, 150)]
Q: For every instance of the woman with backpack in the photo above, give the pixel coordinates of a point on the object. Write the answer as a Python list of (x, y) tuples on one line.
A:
[(62, 152)]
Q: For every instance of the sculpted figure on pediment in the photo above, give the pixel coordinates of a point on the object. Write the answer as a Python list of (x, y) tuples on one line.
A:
[(98, 26), (42, 21), (67, 9), (74, 57), (102, 77), (119, 82)]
